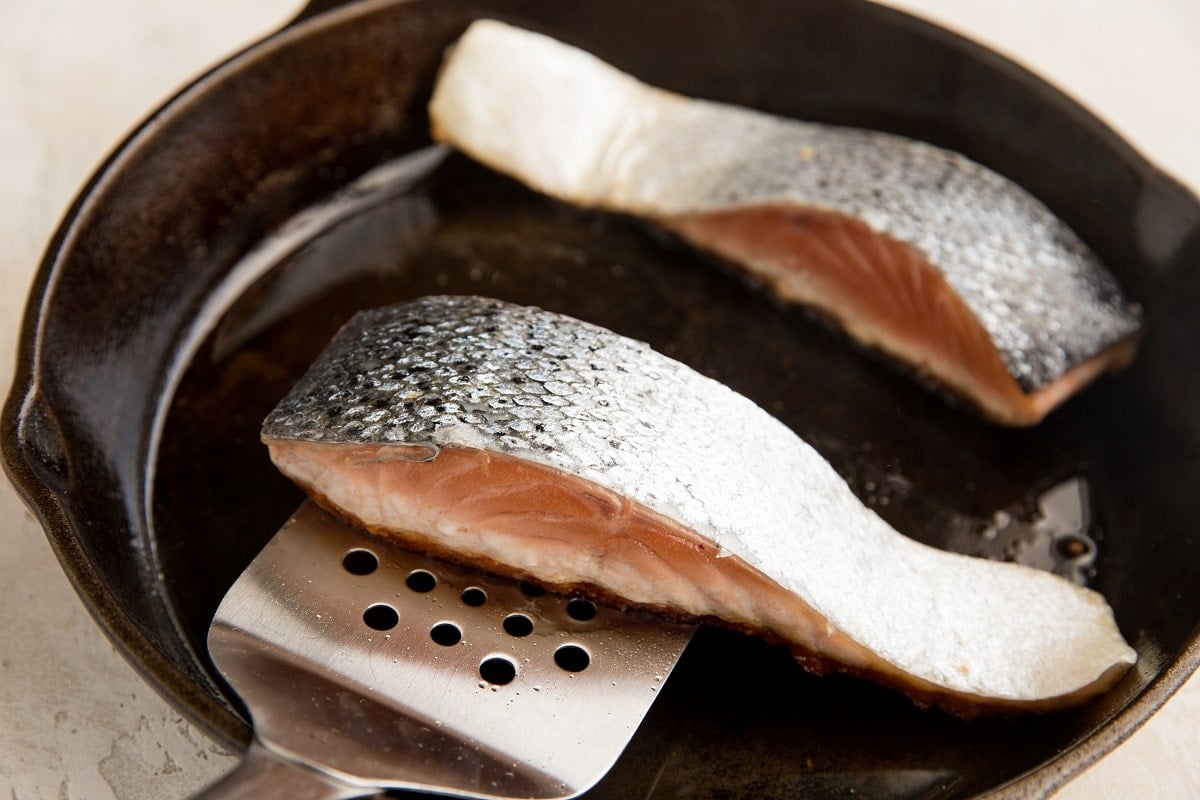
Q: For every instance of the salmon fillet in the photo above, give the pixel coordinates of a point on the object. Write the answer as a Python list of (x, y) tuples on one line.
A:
[(543, 447), (912, 249)]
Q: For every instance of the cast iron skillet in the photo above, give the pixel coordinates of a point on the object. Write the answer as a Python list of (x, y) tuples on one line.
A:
[(132, 426)]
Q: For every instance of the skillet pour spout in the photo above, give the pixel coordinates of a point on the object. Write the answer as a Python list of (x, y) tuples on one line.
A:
[(204, 229)]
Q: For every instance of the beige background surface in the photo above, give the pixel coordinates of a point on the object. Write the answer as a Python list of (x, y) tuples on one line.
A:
[(75, 75)]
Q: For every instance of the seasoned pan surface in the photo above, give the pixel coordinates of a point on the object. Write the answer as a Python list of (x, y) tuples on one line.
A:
[(185, 277)]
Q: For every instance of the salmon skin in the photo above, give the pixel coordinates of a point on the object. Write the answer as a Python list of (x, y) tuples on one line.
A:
[(549, 449), (910, 248)]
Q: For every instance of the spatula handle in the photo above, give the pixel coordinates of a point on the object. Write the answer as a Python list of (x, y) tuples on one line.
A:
[(265, 776)]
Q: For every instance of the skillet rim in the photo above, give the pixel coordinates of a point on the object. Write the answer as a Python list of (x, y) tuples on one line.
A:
[(19, 432)]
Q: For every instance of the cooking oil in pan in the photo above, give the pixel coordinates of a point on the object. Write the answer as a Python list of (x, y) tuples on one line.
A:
[(1055, 537)]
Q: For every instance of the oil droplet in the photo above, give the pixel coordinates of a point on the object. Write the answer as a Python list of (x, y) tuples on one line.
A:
[(1071, 547)]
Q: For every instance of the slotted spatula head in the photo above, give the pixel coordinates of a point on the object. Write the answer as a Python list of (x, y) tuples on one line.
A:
[(380, 668)]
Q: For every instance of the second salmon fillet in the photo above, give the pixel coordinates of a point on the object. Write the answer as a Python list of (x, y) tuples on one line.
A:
[(910, 248)]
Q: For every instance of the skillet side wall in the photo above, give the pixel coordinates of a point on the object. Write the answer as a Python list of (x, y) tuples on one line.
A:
[(268, 133)]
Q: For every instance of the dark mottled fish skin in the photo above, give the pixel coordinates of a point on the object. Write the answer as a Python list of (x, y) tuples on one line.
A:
[(484, 377), (577, 129), (404, 373)]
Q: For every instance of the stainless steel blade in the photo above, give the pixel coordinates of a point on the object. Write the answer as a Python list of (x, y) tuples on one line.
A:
[(384, 669)]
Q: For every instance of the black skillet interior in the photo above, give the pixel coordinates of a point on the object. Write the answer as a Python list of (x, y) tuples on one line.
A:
[(154, 529)]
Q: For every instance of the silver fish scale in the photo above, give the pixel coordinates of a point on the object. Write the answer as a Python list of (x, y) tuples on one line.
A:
[(441, 362), (1044, 298)]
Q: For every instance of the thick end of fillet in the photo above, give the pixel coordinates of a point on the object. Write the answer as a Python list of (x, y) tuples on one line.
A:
[(886, 295)]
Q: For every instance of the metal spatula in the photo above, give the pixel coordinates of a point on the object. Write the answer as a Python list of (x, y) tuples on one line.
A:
[(366, 668)]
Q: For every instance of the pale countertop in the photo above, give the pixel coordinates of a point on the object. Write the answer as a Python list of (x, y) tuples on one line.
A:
[(75, 720)]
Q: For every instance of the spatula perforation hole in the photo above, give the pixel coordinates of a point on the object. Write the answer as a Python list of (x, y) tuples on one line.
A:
[(581, 609), (474, 596), (360, 562), (381, 617), (447, 634), (572, 658), (421, 580), (518, 625), (498, 671)]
